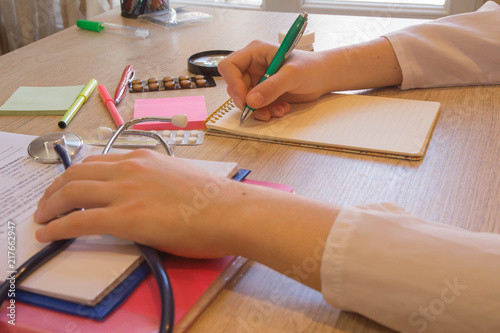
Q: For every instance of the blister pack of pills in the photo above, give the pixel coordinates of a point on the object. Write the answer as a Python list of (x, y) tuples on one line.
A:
[(171, 83), (172, 137), (183, 137)]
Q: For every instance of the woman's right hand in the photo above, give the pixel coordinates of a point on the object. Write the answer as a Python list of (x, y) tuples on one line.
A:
[(298, 80), (305, 76)]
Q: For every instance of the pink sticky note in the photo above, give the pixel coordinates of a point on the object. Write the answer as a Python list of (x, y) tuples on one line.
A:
[(192, 106)]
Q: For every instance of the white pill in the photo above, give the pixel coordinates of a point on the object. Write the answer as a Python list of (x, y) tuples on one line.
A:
[(180, 133), (193, 139)]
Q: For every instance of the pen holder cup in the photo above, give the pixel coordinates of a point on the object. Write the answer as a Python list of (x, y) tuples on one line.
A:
[(134, 8)]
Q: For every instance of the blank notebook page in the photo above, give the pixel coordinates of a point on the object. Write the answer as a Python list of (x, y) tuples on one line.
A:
[(351, 122)]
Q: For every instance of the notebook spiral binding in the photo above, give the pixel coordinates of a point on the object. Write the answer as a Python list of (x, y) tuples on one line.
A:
[(229, 105), (217, 114)]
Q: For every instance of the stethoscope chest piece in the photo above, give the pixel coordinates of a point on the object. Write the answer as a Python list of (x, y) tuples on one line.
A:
[(42, 148)]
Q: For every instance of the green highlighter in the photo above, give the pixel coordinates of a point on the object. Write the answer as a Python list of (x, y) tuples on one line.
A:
[(112, 28)]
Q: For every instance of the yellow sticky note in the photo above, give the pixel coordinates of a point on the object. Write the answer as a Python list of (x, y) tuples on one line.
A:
[(42, 101)]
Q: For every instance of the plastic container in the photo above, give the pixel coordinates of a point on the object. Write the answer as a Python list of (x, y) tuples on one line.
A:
[(134, 8)]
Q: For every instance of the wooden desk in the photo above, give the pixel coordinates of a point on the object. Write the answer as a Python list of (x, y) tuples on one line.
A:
[(457, 183)]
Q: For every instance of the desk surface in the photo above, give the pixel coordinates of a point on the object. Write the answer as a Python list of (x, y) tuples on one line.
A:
[(457, 183)]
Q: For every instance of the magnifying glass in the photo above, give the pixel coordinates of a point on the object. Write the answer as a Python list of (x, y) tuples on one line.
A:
[(205, 63)]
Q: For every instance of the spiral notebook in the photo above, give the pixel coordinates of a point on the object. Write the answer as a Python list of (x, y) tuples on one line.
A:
[(389, 127)]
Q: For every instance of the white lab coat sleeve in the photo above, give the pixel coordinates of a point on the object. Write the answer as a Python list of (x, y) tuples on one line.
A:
[(412, 275), (456, 50)]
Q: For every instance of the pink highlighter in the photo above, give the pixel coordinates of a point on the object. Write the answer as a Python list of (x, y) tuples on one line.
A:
[(110, 105)]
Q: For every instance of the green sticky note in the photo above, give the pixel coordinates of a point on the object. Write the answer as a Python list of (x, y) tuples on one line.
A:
[(40, 101)]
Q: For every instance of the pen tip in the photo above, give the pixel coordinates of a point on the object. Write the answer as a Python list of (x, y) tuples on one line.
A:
[(246, 113)]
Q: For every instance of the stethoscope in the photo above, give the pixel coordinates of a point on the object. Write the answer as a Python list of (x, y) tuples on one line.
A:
[(60, 147)]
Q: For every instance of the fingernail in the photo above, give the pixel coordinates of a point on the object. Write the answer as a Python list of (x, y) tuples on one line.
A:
[(238, 102), (39, 234), (278, 111), (255, 99), (261, 116), (286, 108), (36, 215)]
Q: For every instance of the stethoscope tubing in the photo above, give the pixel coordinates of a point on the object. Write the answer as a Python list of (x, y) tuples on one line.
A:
[(150, 255), (165, 287)]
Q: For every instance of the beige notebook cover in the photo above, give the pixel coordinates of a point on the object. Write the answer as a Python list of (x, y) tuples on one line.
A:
[(389, 127)]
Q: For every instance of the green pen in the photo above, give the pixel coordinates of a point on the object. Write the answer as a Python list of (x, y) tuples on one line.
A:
[(287, 45), (80, 99)]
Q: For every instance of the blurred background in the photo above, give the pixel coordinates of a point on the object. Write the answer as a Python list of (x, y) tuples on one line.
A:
[(25, 21)]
